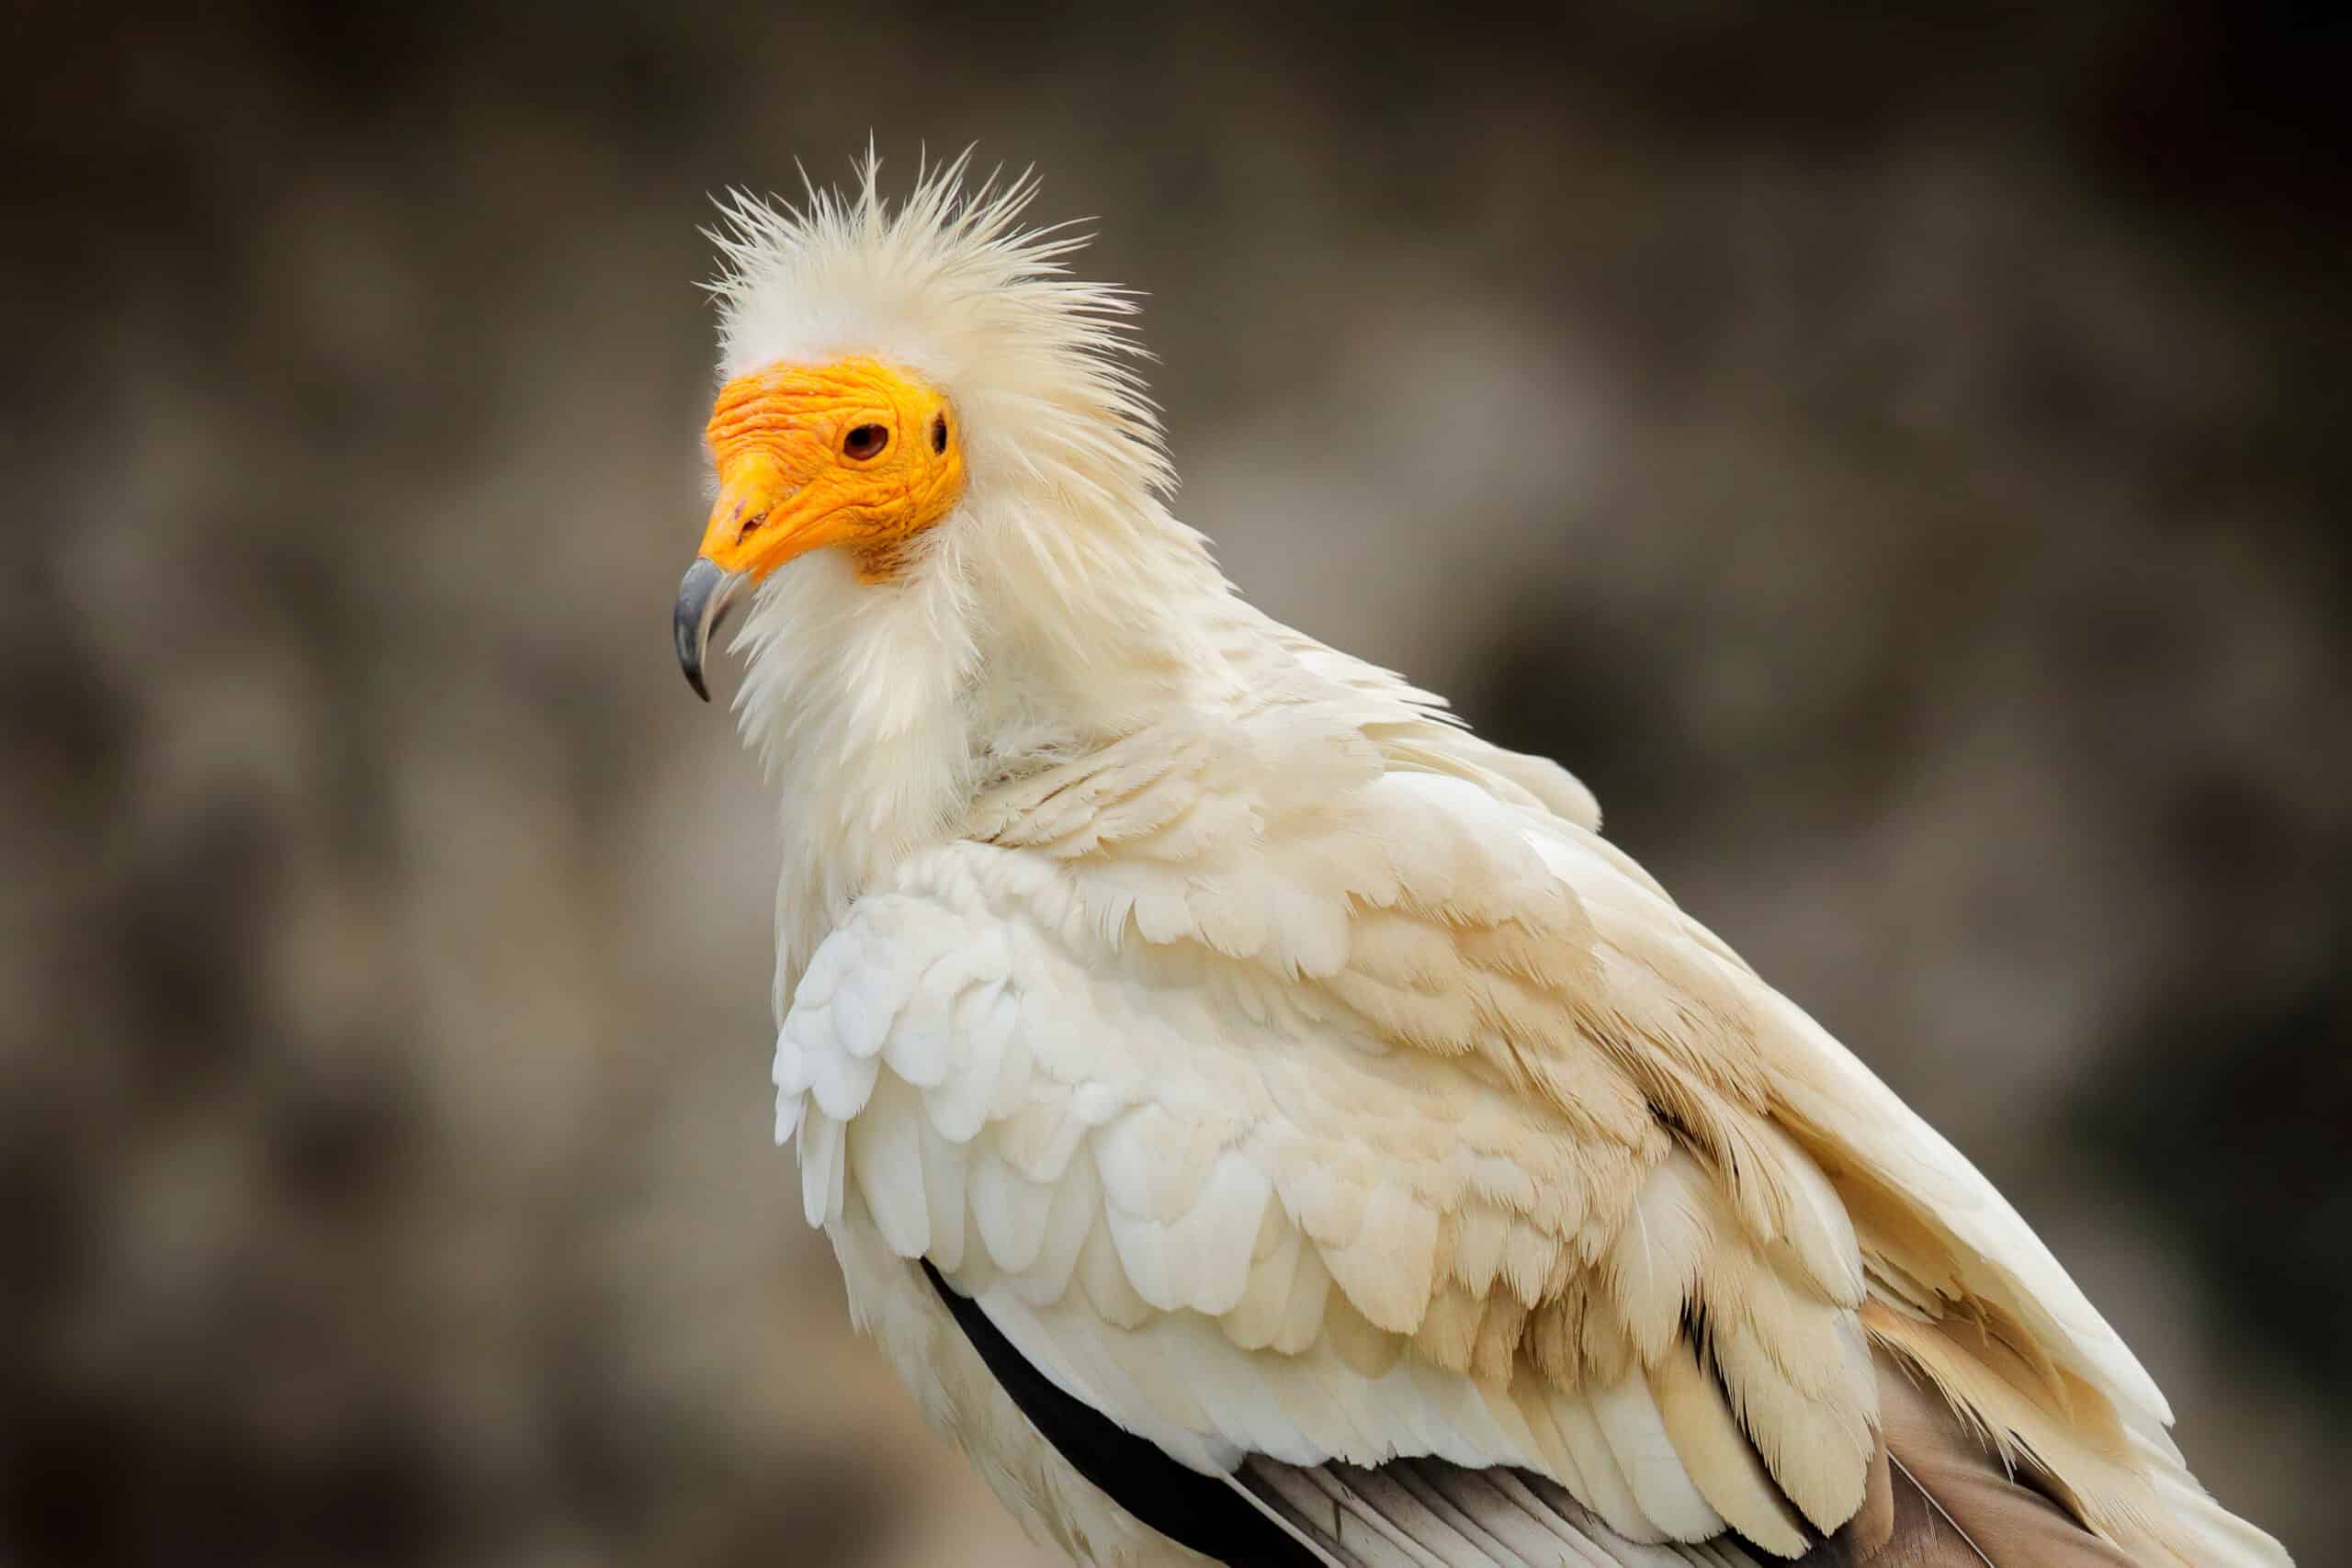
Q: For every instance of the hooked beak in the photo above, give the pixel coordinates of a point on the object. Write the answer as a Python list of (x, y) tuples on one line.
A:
[(704, 595), (747, 538)]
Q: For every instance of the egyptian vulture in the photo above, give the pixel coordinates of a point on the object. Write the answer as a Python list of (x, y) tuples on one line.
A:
[(1261, 1121)]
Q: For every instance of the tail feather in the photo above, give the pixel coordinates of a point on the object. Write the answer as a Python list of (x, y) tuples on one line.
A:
[(1954, 1503), (2010, 1482)]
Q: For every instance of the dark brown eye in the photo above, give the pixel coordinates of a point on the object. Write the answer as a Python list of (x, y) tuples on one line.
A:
[(866, 440), (939, 433)]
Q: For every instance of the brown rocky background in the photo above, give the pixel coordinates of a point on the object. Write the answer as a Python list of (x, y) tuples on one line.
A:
[(1900, 461)]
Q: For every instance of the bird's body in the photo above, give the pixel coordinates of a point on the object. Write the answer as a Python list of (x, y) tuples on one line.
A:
[(1264, 1123)]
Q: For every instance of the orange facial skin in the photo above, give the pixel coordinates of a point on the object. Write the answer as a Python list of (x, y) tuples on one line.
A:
[(852, 454)]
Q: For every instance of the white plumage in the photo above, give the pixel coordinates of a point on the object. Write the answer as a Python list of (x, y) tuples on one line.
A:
[(1295, 1078)]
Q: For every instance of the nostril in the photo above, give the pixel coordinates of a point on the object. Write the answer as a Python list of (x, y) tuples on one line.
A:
[(753, 521)]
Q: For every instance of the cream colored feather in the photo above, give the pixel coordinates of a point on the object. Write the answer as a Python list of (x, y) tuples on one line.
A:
[(1303, 1082)]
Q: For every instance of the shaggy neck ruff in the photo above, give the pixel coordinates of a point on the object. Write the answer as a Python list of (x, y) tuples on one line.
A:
[(879, 710)]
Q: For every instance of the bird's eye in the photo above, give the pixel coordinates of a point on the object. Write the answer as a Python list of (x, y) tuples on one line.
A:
[(866, 440), (939, 433)]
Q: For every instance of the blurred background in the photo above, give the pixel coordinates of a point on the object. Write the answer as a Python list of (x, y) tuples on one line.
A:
[(1900, 460)]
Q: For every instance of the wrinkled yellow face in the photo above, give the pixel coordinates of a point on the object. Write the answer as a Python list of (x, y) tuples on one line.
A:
[(853, 456)]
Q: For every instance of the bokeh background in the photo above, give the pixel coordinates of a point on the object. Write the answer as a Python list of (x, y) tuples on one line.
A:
[(1900, 458)]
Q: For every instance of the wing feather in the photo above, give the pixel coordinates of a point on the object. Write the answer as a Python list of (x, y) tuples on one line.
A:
[(1329, 1092)]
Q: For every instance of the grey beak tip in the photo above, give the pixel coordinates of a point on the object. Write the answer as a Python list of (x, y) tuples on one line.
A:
[(703, 596)]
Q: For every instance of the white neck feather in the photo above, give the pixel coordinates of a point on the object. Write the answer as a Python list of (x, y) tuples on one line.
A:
[(1035, 629)]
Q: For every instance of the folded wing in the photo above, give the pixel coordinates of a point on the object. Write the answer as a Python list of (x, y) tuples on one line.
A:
[(1316, 1102)]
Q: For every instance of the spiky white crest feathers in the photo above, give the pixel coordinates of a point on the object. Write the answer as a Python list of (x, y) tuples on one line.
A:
[(949, 284)]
